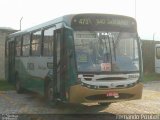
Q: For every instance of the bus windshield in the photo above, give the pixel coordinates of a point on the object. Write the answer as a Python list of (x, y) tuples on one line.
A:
[(104, 51)]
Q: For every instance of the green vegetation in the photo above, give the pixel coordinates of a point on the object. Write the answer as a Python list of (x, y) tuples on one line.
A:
[(151, 77), (4, 86)]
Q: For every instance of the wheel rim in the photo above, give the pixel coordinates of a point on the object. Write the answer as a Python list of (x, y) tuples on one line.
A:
[(17, 85), (50, 93)]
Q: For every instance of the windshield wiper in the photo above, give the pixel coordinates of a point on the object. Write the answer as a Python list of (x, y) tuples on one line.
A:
[(110, 48), (114, 46)]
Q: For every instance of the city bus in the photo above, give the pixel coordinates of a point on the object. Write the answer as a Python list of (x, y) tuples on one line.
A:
[(78, 58)]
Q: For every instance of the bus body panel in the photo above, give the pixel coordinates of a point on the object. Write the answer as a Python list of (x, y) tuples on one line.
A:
[(32, 72), (100, 95)]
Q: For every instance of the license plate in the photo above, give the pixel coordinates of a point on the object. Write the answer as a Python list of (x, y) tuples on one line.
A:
[(112, 94)]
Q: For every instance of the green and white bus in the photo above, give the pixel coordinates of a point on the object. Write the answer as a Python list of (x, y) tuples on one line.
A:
[(78, 58)]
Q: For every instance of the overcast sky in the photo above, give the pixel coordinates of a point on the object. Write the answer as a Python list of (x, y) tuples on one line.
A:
[(38, 11)]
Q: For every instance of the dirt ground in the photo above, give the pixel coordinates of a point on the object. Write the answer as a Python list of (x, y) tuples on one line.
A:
[(149, 104), (31, 103)]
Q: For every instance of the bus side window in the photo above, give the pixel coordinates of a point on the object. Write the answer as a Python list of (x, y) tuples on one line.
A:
[(48, 41), (26, 45), (36, 43), (18, 46)]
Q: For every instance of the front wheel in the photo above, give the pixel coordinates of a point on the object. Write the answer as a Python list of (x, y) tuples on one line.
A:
[(49, 92), (18, 86)]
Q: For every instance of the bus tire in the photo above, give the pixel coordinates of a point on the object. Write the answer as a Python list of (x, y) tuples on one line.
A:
[(49, 91), (18, 86)]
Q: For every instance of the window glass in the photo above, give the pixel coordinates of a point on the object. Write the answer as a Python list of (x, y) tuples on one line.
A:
[(48, 42), (99, 51), (26, 45), (36, 46), (18, 46)]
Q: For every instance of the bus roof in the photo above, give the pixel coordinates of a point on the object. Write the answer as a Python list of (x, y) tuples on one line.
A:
[(43, 25), (64, 20)]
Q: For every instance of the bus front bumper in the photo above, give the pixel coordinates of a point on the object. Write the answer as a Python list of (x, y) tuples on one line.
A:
[(81, 94)]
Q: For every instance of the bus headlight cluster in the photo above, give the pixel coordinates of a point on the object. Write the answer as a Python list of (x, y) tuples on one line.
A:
[(133, 76), (79, 79), (130, 85)]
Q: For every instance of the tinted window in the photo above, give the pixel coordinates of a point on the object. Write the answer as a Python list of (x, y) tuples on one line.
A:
[(18, 46), (26, 45), (48, 42), (36, 46)]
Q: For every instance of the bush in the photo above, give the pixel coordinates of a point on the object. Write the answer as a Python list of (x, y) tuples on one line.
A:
[(151, 77), (4, 86)]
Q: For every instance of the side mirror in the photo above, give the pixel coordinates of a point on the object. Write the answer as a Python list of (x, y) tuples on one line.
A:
[(140, 40)]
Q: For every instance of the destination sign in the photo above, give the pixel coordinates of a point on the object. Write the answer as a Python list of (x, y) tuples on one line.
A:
[(92, 20), (102, 21), (81, 35)]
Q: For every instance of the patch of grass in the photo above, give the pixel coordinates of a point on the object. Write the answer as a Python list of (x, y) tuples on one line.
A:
[(4, 86), (150, 77)]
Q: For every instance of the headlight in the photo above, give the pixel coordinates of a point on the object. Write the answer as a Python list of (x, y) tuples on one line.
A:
[(133, 76)]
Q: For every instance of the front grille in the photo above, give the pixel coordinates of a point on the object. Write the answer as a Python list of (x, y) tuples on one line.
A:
[(107, 87), (104, 97), (88, 75), (112, 78), (88, 79), (100, 87), (120, 86), (103, 87)]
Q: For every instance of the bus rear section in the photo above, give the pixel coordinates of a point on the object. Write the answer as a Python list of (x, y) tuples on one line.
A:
[(82, 94)]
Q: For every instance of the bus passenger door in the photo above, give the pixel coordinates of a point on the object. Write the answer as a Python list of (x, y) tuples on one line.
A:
[(58, 87), (11, 62)]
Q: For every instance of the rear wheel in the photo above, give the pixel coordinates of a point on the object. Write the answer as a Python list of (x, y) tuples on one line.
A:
[(18, 86)]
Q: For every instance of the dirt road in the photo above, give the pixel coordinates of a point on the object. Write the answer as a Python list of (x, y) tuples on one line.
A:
[(149, 104), (31, 103)]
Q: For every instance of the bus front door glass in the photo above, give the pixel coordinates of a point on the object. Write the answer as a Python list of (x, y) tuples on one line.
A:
[(11, 65), (106, 51)]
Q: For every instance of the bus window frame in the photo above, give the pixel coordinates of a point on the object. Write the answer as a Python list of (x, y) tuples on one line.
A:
[(20, 40), (39, 43), (43, 40), (22, 53)]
